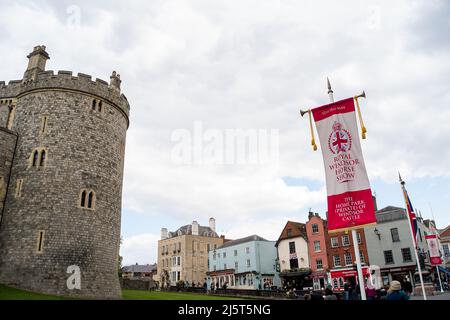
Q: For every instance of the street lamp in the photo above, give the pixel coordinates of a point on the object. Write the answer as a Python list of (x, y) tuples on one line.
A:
[(377, 233)]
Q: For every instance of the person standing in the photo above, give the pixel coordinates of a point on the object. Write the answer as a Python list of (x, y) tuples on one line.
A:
[(395, 292), (329, 295), (347, 290), (407, 287), (371, 293)]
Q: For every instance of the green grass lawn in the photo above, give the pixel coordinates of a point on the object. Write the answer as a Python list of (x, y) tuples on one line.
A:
[(163, 295), (8, 293)]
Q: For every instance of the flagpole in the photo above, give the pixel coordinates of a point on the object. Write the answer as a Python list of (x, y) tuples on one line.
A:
[(354, 235), (419, 269)]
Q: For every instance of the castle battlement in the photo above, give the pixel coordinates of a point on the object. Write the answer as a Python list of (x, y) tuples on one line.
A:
[(65, 80)]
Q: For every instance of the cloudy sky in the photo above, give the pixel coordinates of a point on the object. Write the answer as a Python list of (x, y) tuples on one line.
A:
[(251, 65)]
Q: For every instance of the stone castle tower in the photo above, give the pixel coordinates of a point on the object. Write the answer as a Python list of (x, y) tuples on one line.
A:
[(62, 143)]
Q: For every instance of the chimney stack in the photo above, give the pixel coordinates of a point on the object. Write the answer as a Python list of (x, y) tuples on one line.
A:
[(164, 233), (212, 224), (194, 228), (36, 63)]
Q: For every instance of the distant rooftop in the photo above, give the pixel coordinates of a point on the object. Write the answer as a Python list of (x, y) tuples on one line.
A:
[(390, 213), (140, 268), (242, 240), (187, 230)]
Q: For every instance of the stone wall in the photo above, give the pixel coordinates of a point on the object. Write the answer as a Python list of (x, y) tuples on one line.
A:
[(138, 284), (7, 146)]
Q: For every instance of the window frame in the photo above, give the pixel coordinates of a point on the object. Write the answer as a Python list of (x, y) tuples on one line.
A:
[(337, 242), (344, 244), (315, 228), (315, 248), (394, 231), (339, 259), (385, 252)]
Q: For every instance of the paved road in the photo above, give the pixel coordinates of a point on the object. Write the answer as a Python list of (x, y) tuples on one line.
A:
[(443, 296)]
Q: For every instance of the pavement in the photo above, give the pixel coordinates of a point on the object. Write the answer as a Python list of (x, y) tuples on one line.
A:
[(436, 296)]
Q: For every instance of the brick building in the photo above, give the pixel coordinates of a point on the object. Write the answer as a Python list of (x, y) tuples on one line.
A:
[(316, 229), (341, 258)]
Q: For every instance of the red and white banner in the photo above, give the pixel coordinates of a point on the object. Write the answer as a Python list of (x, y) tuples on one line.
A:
[(350, 202), (433, 248)]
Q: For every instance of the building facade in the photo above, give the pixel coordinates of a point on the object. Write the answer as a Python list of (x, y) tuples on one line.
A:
[(444, 236), (390, 245), (183, 254), (246, 263), (317, 248), (61, 170), (293, 258), (341, 258)]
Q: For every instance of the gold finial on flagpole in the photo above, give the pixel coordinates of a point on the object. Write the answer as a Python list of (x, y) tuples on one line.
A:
[(313, 142), (363, 128)]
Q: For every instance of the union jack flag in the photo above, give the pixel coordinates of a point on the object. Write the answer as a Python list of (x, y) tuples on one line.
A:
[(411, 213)]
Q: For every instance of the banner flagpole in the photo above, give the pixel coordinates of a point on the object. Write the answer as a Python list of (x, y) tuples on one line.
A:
[(419, 269), (354, 235)]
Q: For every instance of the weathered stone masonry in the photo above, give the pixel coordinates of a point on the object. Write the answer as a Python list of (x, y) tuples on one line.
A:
[(81, 125)]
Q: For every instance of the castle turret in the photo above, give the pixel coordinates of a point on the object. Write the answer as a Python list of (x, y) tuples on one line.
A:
[(36, 63), (72, 180)]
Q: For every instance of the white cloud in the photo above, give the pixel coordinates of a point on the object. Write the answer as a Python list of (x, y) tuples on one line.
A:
[(251, 66), (141, 248)]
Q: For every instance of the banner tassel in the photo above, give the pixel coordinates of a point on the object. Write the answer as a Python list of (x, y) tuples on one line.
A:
[(363, 128), (313, 142)]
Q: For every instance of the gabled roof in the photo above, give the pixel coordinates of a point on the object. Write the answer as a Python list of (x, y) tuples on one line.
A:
[(187, 230), (299, 230), (242, 240), (139, 268), (445, 232)]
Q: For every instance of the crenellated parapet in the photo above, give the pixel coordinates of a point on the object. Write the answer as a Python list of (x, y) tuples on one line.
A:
[(64, 80)]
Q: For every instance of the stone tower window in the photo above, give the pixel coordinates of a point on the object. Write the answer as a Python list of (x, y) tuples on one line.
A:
[(18, 193), (99, 106), (40, 241), (83, 199), (44, 124), (35, 158), (94, 104), (42, 162), (87, 199), (38, 157), (90, 199)]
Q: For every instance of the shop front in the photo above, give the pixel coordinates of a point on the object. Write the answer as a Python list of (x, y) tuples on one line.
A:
[(320, 280), (338, 277)]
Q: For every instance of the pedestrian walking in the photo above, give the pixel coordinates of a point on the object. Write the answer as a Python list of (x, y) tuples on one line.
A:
[(407, 287), (347, 290), (395, 292), (329, 295)]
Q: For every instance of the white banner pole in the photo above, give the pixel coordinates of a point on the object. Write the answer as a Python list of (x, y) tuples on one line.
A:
[(354, 235), (419, 269)]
